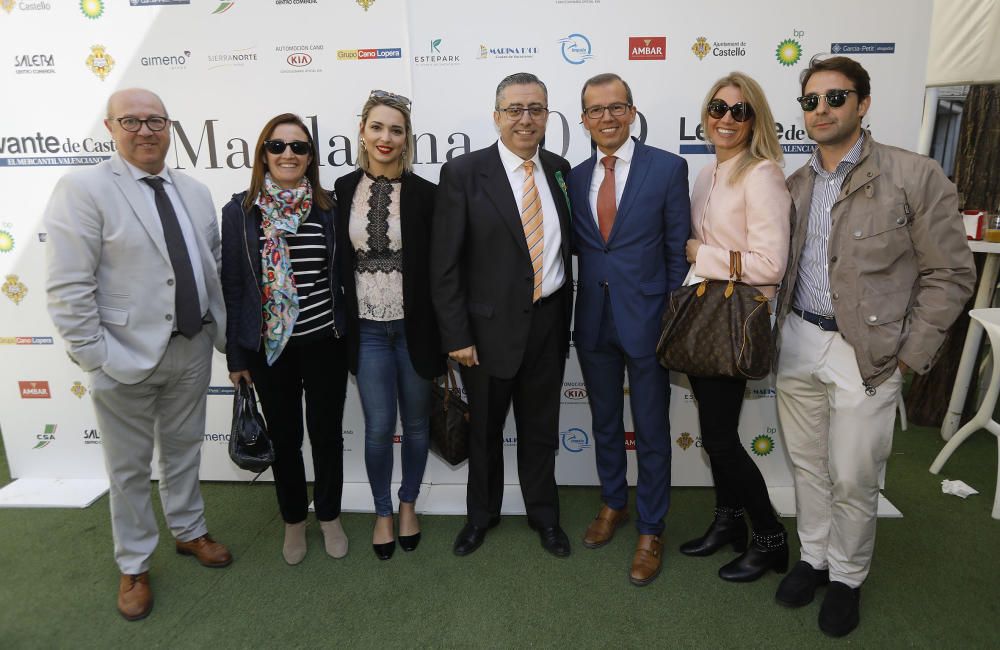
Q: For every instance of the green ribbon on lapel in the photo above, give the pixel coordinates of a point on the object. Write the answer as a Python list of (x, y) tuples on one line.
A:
[(565, 193)]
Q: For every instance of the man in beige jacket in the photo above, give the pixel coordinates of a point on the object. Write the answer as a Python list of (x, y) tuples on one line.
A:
[(878, 270)]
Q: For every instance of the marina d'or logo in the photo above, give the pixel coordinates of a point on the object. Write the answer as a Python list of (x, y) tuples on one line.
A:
[(576, 48), (788, 52), (14, 289), (46, 437), (92, 9), (684, 441), (100, 62), (6, 241), (762, 445), (701, 48), (575, 440)]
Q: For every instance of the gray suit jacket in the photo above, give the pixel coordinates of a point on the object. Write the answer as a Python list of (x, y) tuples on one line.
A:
[(110, 283)]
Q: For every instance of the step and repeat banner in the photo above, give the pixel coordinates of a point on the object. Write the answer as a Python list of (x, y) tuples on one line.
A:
[(224, 68)]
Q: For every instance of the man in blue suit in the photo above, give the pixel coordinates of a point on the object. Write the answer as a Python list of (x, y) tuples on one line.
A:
[(631, 219)]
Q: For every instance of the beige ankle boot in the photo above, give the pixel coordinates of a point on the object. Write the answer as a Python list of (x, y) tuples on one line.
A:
[(294, 549), (334, 538)]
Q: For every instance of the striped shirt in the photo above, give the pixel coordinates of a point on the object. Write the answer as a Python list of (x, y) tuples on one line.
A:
[(308, 250), (812, 289)]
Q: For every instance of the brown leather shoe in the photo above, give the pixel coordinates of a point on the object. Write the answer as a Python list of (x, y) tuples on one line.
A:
[(135, 597), (207, 551), (647, 560), (602, 529)]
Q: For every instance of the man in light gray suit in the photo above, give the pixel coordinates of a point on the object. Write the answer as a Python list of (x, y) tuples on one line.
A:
[(133, 288)]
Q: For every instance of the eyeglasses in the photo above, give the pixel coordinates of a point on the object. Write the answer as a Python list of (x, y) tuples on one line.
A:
[(515, 112), (834, 99), (392, 97), (277, 147), (597, 112), (133, 124), (741, 111)]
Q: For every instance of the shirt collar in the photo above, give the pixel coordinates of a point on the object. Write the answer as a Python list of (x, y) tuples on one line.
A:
[(139, 174), (511, 161), (624, 152), (849, 161)]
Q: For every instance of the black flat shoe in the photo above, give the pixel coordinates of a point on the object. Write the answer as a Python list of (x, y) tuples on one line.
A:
[(469, 539), (728, 527), (766, 553), (840, 612), (409, 542), (798, 588), (384, 551)]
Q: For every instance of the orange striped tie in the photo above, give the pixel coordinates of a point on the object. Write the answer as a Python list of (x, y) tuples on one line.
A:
[(531, 222)]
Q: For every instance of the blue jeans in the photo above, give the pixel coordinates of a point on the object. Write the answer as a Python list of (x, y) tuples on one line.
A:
[(385, 372)]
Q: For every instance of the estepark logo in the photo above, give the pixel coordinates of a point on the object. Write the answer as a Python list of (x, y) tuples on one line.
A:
[(34, 64), (507, 52), (434, 55), (647, 48), (100, 62), (703, 48), (370, 54), (26, 340), (52, 151), (576, 49), (46, 438), (236, 58), (575, 440), (170, 61), (91, 437), (34, 389)]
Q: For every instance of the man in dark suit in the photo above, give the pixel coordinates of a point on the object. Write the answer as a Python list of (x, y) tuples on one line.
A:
[(502, 278), (631, 219)]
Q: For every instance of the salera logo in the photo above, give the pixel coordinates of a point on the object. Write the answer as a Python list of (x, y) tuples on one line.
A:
[(34, 389), (647, 48), (46, 437)]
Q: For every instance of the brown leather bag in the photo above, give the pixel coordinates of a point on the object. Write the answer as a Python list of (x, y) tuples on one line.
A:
[(449, 421), (717, 328)]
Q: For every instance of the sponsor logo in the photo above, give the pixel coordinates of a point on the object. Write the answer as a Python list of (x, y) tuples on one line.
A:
[(34, 64), (6, 239), (647, 48), (759, 393), (221, 390), (91, 437), (364, 4), (50, 144), (789, 51), (684, 441), (100, 62), (791, 137), (370, 54), (172, 61), (630, 441), (148, 3), (42, 236), (223, 7), (46, 438), (510, 441), (763, 444), (575, 440), (295, 2), (507, 52), (574, 393), (7, 5), (703, 48), (92, 9), (576, 49), (34, 389), (26, 340), (578, 2), (78, 389), (299, 58), (435, 57), (14, 289), (237, 58), (863, 48), (222, 438)]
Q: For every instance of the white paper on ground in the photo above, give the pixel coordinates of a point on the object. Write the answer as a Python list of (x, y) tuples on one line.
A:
[(958, 488)]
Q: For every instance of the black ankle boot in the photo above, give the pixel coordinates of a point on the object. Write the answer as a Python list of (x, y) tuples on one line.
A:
[(765, 553), (728, 527)]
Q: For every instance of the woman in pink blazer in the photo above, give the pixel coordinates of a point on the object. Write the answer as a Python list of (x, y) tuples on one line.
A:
[(738, 204)]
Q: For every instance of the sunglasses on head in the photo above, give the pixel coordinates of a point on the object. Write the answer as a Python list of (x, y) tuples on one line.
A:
[(277, 147), (740, 111), (834, 99), (392, 97)]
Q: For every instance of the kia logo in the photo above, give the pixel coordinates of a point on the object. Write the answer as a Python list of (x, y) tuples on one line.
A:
[(299, 59), (575, 393)]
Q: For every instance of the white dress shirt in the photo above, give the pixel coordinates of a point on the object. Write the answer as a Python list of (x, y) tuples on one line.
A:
[(622, 165), (553, 274)]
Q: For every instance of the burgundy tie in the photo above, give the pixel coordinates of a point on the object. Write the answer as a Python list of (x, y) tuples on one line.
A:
[(606, 206)]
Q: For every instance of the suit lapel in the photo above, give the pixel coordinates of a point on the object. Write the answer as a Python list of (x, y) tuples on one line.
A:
[(636, 176), (556, 190), (140, 205), (497, 187), (581, 193)]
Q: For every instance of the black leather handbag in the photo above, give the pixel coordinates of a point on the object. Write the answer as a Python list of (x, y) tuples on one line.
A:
[(249, 446), (718, 328), (449, 421)]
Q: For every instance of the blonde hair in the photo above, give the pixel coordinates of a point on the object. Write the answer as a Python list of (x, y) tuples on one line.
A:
[(763, 143), (406, 160)]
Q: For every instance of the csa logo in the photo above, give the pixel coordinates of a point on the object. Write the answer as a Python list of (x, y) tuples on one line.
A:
[(34, 389), (762, 445), (647, 48), (684, 441), (100, 62), (6, 241), (224, 7), (78, 389), (576, 49), (46, 437), (788, 52), (14, 289), (575, 440), (92, 9)]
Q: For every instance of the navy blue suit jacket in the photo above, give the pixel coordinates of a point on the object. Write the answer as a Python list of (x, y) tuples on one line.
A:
[(643, 259)]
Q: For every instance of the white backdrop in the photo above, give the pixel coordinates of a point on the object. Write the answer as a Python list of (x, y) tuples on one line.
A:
[(224, 68)]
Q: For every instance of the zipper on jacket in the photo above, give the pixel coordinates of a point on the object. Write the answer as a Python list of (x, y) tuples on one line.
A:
[(260, 303), (332, 262)]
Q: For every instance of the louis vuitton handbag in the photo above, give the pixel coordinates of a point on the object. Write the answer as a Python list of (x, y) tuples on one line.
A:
[(449, 421), (717, 328)]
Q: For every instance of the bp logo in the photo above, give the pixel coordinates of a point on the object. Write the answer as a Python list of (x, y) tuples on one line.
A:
[(46, 438), (701, 48), (762, 445), (575, 440), (92, 9), (6, 241), (684, 441), (789, 52)]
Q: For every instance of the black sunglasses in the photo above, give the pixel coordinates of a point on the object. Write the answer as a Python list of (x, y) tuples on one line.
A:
[(277, 147), (834, 99), (740, 111)]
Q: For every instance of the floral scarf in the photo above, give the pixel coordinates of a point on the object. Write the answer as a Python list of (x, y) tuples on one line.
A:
[(282, 210)]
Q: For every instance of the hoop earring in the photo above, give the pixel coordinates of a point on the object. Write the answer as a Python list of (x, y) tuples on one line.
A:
[(362, 141)]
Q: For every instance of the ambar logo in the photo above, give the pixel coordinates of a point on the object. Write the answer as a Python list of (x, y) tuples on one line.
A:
[(34, 389), (630, 441), (647, 48)]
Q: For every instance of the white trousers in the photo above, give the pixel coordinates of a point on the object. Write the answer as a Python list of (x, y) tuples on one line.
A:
[(839, 439), (168, 407)]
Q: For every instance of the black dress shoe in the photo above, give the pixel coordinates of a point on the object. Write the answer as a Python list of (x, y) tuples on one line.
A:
[(799, 587), (554, 540), (728, 527), (767, 552), (384, 551), (839, 614), (409, 542), (470, 538)]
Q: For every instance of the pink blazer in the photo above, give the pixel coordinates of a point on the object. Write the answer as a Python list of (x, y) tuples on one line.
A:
[(751, 217)]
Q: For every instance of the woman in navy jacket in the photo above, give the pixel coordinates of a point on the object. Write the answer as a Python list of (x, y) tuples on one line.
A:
[(284, 334), (383, 232)]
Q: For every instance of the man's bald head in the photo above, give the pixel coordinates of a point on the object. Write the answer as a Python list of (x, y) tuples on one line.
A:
[(140, 144), (126, 95)]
